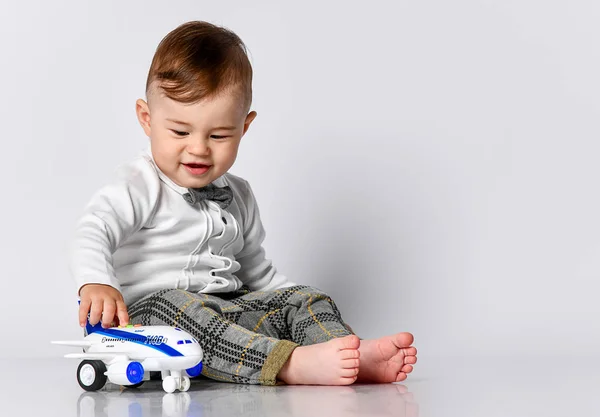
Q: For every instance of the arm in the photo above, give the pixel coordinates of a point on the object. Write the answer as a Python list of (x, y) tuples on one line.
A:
[(114, 213), (256, 271)]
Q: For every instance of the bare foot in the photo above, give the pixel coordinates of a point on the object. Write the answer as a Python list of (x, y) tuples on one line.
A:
[(335, 362), (387, 359)]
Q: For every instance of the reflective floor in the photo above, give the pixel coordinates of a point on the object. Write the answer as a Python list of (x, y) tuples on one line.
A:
[(439, 387)]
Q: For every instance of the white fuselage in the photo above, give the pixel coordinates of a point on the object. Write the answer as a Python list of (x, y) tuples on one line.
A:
[(157, 348)]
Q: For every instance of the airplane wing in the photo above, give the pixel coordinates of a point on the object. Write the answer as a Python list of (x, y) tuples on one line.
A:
[(109, 358), (77, 343)]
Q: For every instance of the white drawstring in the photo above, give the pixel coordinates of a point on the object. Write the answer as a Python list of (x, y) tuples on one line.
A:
[(228, 261), (208, 232)]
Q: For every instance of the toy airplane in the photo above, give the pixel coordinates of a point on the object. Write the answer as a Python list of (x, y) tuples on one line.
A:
[(125, 355)]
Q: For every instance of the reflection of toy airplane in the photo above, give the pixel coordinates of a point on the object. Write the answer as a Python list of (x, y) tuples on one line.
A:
[(126, 355), (134, 403)]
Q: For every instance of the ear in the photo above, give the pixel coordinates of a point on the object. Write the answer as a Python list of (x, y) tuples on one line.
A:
[(251, 116), (143, 114)]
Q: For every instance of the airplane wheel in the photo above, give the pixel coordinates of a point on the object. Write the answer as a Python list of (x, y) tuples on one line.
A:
[(185, 384), (169, 384), (155, 376), (90, 375)]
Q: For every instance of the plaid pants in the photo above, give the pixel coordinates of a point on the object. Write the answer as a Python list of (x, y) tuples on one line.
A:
[(246, 336)]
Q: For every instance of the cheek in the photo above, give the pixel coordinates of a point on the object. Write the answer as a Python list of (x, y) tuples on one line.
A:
[(230, 153), (166, 150)]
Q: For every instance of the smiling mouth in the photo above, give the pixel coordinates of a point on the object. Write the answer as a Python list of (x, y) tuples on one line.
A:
[(196, 165), (196, 169)]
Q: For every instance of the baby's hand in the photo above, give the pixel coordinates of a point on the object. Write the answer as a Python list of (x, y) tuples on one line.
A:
[(103, 302)]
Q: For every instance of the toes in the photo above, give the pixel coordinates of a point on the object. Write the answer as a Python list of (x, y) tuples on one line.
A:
[(348, 380), (349, 373), (404, 339), (348, 342), (350, 363), (401, 377), (410, 360), (350, 354), (410, 351), (407, 369)]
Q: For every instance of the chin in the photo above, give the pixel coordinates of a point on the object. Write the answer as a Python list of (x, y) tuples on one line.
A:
[(187, 180), (197, 183)]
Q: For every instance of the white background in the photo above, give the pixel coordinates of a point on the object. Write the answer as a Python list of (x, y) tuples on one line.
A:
[(433, 165)]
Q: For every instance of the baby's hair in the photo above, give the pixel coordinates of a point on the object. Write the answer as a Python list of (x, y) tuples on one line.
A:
[(198, 60)]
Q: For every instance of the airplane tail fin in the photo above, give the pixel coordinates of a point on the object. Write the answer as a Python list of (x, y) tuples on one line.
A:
[(89, 329)]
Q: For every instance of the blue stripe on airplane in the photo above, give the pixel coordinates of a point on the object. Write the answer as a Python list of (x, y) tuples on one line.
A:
[(139, 339)]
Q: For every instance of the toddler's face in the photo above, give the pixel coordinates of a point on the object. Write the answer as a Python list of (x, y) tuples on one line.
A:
[(194, 144)]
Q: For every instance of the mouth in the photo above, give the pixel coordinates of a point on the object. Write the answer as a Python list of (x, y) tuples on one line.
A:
[(196, 169)]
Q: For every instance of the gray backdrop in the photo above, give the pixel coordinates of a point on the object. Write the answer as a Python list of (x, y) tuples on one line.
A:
[(433, 165)]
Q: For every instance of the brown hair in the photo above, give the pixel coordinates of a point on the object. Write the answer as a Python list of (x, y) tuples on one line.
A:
[(198, 60)]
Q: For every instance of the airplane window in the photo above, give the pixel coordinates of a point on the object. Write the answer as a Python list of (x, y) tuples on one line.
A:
[(180, 342), (195, 341), (188, 341)]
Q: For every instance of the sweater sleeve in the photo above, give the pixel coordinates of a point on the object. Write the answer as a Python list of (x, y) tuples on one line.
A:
[(114, 213), (257, 272)]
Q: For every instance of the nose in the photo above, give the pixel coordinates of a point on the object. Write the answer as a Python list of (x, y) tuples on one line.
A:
[(198, 146)]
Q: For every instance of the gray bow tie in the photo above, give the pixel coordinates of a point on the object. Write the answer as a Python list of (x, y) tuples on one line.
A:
[(222, 195)]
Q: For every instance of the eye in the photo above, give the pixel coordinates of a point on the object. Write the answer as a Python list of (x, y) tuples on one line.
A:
[(219, 137), (179, 133)]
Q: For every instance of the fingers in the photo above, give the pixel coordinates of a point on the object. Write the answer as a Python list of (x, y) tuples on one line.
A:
[(96, 311), (122, 313), (84, 308), (114, 309), (105, 304), (110, 308)]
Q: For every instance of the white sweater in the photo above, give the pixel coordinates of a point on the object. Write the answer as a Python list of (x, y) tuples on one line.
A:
[(139, 235)]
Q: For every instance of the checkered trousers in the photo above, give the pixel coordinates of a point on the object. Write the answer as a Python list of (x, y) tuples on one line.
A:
[(246, 336)]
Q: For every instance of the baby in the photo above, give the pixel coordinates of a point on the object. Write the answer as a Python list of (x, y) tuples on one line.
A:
[(176, 239)]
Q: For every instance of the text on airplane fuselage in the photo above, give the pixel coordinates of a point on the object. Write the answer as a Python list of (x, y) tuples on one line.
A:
[(148, 340)]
